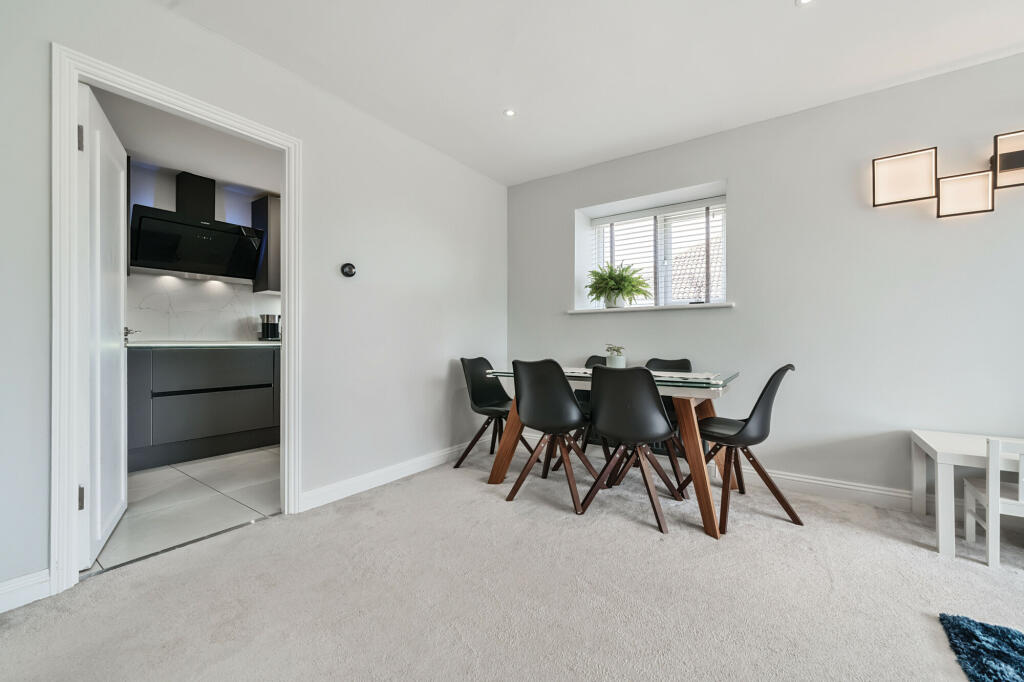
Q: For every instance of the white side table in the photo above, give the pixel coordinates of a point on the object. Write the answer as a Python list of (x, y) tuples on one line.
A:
[(947, 450)]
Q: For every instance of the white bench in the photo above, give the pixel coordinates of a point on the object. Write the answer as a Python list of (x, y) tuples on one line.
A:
[(947, 450)]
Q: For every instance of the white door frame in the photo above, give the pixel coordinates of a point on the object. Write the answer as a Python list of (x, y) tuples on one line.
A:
[(69, 405)]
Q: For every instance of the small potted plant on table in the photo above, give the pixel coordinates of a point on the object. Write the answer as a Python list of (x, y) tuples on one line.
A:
[(616, 284), (615, 358)]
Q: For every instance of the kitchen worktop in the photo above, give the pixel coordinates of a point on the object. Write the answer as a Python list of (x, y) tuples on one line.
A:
[(203, 344)]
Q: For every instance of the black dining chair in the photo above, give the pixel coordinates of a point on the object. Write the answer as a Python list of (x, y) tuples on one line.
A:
[(487, 397), (737, 435), (546, 403), (627, 409), (680, 365), (659, 365)]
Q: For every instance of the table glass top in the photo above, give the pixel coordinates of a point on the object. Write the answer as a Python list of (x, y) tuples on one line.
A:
[(685, 379)]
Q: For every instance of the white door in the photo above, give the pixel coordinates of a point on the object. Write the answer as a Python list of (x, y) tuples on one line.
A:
[(102, 198)]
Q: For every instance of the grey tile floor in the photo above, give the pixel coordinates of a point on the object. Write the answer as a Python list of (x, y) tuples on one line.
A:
[(173, 505)]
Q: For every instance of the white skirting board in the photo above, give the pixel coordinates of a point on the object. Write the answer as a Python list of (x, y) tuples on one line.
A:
[(20, 591), (311, 499), (875, 495)]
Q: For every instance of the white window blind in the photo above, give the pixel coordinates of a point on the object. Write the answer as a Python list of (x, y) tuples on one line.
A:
[(679, 249)]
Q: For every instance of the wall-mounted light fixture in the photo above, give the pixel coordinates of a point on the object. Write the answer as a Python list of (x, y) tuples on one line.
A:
[(1009, 159), (965, 194), (913, 176), (900, 178)]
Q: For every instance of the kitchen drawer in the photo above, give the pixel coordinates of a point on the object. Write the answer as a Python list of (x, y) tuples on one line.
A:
[(186, 369), (199, 415)]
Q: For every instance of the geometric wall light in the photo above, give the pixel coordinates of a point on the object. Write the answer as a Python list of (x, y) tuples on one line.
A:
[(904, 177), (913, 176), (965, 194), (1009, 161)]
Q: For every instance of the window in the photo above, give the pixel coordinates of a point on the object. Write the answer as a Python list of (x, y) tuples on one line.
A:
[(680, 250)]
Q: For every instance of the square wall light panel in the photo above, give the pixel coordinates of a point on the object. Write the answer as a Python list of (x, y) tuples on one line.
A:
[(1009, 159), (904, 177), (966, 194)]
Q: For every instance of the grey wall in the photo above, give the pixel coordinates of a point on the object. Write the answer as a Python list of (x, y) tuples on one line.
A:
[(894, 319), (428, 234)]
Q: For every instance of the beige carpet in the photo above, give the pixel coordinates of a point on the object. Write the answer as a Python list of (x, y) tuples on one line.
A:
[(437, 577)]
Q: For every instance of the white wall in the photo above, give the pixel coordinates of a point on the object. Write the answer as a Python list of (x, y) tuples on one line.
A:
[(381, 384), (894, 319)]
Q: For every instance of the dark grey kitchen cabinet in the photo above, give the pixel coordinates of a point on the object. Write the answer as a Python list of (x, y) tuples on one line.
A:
[(200, 415), (188, 403), (187, 369), (140, 389), (266, 216)]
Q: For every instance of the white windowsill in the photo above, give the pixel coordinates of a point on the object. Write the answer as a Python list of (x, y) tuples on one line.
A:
[(653, 308)]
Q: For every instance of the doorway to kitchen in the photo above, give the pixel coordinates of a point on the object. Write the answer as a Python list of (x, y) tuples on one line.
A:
[(187, 428)]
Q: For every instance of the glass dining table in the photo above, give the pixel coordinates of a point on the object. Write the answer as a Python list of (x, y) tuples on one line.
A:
[(692, 394)]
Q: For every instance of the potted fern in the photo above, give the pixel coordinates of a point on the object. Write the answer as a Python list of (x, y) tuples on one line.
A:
[(616, 284)]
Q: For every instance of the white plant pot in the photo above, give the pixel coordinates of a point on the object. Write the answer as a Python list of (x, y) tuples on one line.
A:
[(612, 302), (618, 361)]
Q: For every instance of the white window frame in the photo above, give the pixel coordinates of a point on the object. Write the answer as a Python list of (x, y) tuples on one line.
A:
[(662, 283)]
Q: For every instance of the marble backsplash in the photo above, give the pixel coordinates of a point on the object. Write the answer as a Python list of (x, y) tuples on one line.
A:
[(169, 308)]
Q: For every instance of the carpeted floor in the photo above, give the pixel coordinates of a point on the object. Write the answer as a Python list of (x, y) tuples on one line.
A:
[(437, 577)]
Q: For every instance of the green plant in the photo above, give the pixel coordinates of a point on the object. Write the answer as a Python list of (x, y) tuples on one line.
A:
[(623, 281), (612, 349)]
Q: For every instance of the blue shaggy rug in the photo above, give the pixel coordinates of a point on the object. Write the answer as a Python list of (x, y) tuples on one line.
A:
[(987, 653)]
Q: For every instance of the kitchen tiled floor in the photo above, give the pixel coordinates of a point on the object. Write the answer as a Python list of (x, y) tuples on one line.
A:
[(173, 505)]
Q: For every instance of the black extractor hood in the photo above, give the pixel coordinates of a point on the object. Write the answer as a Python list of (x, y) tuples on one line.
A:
[(190, 240)]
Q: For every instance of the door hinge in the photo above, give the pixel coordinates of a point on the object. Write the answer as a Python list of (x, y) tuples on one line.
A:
[(81, 139), (81, 497)]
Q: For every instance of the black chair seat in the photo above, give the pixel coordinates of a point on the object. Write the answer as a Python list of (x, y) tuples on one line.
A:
[(722, 430), (499, 409)]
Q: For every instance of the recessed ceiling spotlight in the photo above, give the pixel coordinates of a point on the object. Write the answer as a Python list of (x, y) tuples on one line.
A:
[(801, 3), (509, 113)]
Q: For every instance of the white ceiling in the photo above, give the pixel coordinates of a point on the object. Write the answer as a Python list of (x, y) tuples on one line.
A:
[(594, 80), (164, 140)]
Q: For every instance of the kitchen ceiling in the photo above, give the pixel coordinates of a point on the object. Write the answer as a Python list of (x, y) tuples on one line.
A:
[(592, 80)]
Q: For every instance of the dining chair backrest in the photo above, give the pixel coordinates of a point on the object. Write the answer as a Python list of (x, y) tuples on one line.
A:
[(680, 365), (759, 423), (595, 360), (483, 390), (544, 398), (625, 406), (996, 450)]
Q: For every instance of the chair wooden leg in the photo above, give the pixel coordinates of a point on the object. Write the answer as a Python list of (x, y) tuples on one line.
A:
[(772, 487), (526, 444), (526, 469), (673, 458), (625, 467), (645, 469), (586, 438), (583, 458), (494, 437), (469, 447), (569, 475), (723, 516), (602, 478), (661, 473), (501, 428), (707, 459), (548, 454), (738, 471)]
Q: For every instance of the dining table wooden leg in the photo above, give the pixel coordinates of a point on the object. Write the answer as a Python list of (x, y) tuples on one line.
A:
[(507, 447), (695, 458)]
